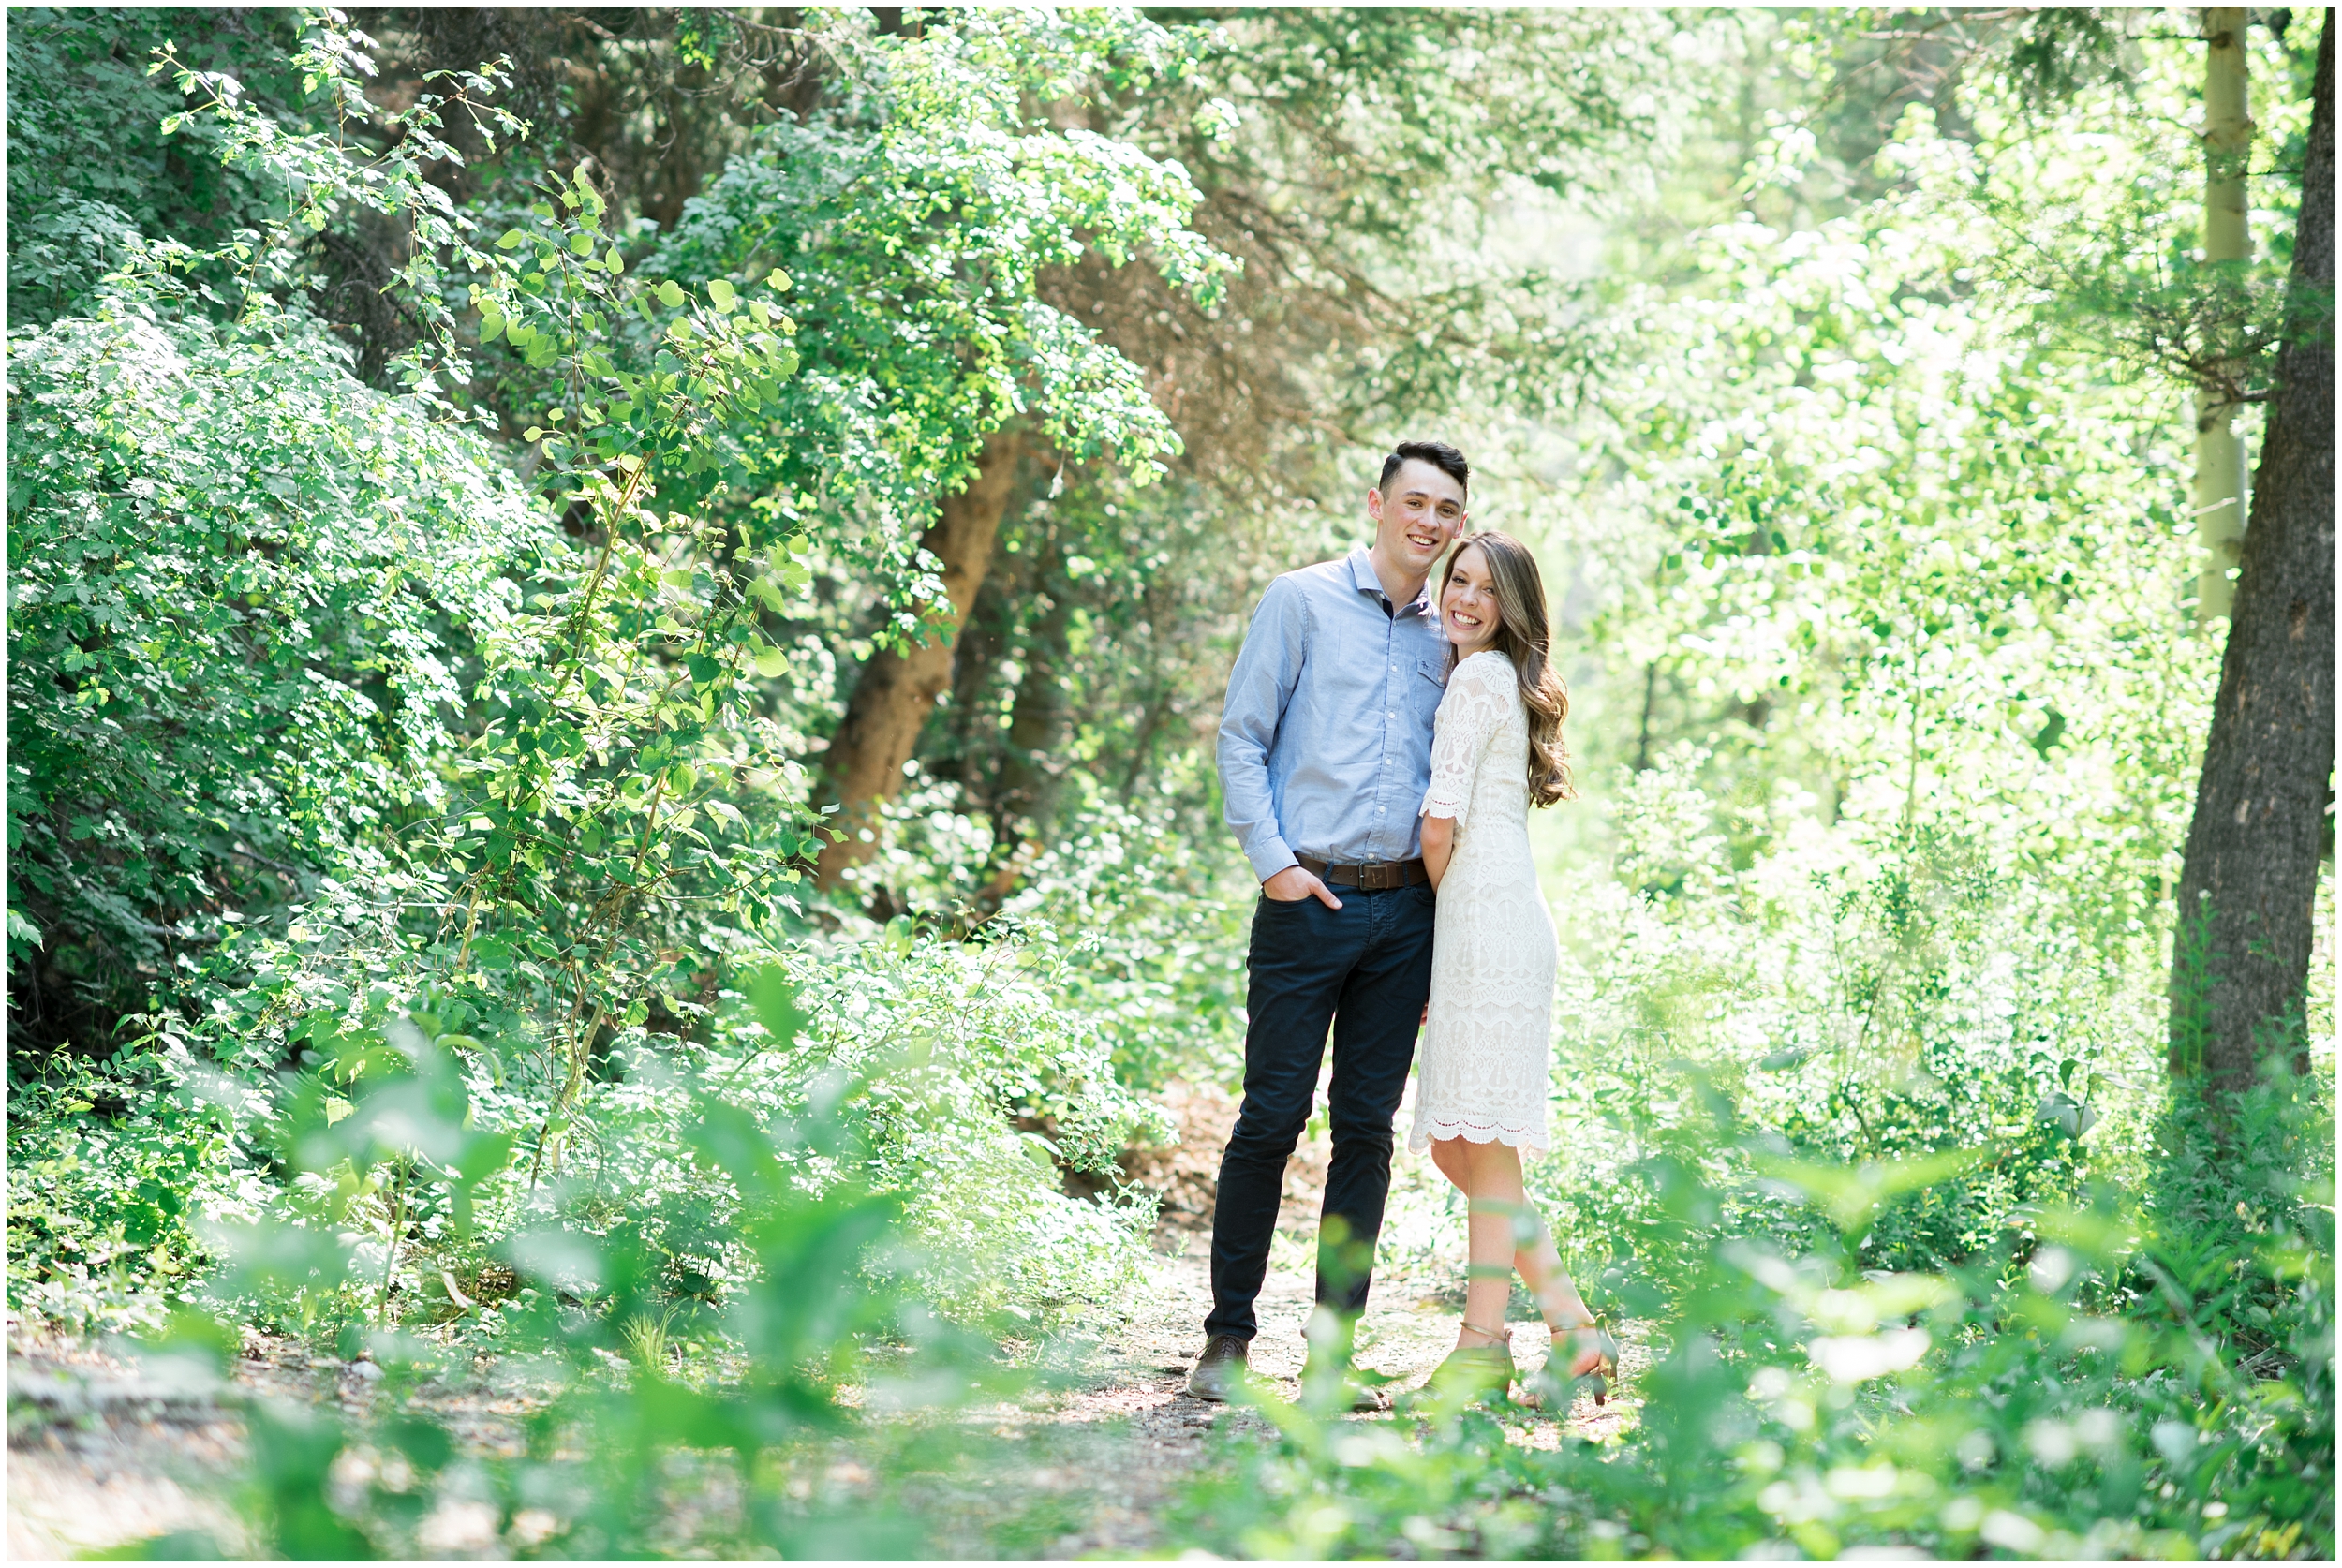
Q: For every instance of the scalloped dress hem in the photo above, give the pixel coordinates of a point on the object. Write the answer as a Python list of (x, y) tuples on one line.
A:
[(1527, 1139)]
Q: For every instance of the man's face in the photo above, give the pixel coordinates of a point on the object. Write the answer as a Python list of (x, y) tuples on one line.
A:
[(1417, 517)]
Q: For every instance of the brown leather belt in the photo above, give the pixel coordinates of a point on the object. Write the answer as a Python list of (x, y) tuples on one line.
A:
[(1370, 877)]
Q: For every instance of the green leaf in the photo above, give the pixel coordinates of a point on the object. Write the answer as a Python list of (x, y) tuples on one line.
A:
[(777, 281), (1852, 1196), (512, 240), (581, 245), (671, 294), (721, 292), (775, 1002), (771, 662)]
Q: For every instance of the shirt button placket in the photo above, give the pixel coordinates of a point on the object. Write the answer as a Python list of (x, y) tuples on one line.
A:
[(1389, 682)]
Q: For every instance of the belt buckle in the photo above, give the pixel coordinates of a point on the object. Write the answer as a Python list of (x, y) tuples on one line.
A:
[(1374, 875)]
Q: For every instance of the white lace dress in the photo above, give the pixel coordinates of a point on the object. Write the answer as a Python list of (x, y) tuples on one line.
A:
[(1485, 1060)]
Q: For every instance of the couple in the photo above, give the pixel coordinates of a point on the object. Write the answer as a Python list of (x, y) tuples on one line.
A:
[(1381, 747)]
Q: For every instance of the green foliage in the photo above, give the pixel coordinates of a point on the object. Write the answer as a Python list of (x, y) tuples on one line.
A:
[(594, 1477), (982, 1085), (91, 168), (1397, 104), (109, 1174), (563, 805), (915, 223), (1147, 938), (249, 595), (980, 1082), (2238, 1259), (1877, 1002), (2103, 250), (2041, 1405)]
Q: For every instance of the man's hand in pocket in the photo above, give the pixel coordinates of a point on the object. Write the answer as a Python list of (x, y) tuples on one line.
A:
[(1293, 885)]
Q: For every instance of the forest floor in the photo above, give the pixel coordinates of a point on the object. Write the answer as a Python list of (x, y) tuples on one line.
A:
[(103, 1450)]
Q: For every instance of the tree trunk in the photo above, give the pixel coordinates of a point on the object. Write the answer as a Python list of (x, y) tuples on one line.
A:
[(2219, 488), (2241, 961), (2218, 494), (898, 686)]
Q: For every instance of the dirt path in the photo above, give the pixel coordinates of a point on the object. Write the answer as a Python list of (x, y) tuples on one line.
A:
[(101, 1452), (1115, 1453)]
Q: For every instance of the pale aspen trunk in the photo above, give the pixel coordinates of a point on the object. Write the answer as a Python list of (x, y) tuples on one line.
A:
[(2218, 491), (898, 686)]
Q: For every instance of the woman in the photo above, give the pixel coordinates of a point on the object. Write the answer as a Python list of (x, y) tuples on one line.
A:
[(1481, 1091)]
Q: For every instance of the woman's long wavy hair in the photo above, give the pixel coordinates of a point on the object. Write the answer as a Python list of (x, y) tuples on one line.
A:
[(1521, 636)]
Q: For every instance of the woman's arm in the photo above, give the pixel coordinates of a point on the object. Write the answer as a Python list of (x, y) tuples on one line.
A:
[(1468, 717), (1439, 844)]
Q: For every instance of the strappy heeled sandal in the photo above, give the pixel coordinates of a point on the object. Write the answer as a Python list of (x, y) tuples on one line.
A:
[(1587, 1339), (1479, 1370)]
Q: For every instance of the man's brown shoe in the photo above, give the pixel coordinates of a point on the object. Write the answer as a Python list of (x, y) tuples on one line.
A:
[(1336, 1381), (1222, 1369)]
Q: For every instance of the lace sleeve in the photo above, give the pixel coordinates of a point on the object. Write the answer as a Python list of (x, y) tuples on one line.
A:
[(1466, 722)]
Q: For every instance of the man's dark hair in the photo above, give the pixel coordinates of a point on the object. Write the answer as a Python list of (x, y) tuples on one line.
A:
[(1439, 454)]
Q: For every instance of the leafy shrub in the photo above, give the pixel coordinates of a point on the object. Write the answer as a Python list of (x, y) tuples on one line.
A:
[(1801, 1402), (556, 812), (1871, 1132), (1148, 922), (91, 169), (981, 1085), (917, 219), (978, 1090), (246, 597), (827, 1273), (108, 1171), (1866, 998)]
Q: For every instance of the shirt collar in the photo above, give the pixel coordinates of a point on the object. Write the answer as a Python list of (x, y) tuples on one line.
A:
[(1362, 576)]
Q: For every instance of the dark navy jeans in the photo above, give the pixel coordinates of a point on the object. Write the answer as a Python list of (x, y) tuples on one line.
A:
[(1366, 969)]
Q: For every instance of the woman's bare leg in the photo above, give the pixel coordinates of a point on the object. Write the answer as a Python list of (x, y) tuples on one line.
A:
[(1490, 1230), (1507, 1227), (1449, 1155)]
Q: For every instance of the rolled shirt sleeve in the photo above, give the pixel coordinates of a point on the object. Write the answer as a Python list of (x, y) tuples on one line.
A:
[(1259, 689)]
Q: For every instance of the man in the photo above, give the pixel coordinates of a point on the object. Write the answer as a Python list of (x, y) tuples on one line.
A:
[(1325, 754)]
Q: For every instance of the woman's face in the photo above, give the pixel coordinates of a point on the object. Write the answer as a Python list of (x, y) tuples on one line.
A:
[(1467, 606)]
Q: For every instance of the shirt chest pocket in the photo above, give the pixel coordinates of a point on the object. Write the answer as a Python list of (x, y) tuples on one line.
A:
[(1429, 684)]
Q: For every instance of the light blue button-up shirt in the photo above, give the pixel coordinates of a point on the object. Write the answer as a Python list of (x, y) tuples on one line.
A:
[(1325, 743)]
